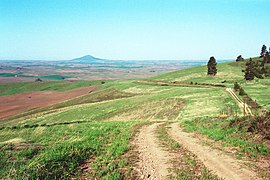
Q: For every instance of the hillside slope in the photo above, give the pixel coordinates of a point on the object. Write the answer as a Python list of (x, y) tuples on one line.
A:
[(91, 136), (228, 73)]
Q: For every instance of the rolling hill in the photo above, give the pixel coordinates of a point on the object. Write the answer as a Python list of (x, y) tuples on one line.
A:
[(98, 134)]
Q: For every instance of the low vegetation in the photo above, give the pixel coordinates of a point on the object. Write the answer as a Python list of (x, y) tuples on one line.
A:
[(48, 77), (234, 133), (55, 152), (185, 165), (17, 88), (56, 141), (98, 96)]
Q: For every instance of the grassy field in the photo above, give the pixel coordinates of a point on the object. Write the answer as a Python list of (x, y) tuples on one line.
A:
[(199, 74), (167, 103), (49, 140), (231, 136), (55, 152), (49, 77), (227, 74), (17, 88), (55, 141), (97, 96), (234, 135)]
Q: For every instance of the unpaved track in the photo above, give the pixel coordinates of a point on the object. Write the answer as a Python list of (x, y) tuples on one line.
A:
[(221, 164), (153, 160), (241, 104)]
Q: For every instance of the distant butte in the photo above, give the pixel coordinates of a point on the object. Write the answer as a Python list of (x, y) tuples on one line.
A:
[(87, 58)]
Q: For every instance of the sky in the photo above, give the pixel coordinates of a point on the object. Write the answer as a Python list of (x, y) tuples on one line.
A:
[(133, 29)]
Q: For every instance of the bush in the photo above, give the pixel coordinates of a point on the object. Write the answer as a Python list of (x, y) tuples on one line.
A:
[(242, 92), (236, 86)]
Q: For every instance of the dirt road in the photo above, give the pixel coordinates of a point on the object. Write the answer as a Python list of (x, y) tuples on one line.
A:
[(241, 104), (221, 164), (153, 160)]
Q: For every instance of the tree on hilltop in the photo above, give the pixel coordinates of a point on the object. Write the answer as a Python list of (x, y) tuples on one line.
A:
[(253, 69), (263, 51), (212, 66), (266, 58), (239, 58)]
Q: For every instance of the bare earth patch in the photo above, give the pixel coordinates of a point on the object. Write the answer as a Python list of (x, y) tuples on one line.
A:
[(221, 164), (153, 160), (17, 103)]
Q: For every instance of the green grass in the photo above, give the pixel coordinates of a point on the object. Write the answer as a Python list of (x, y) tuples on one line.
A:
[(230, 136), (186, 165), (258, 90), (14, 74), (52, 142), (199, 75), (198, 101), (55, 152), (231, 72), (98, 96), (132, 108), (54, 77), (17, 88), (50, 77), (170, 103)]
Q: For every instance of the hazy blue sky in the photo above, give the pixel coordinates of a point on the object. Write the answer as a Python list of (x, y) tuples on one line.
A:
[(133, 29)]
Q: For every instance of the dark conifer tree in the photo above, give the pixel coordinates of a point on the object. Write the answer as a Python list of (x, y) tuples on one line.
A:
[(212, 66), (263, 51), (236, 86), (266, 57), (239, 58), (249, 71)]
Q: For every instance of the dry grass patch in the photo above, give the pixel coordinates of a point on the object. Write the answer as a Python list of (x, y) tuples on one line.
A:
[(164, 109)]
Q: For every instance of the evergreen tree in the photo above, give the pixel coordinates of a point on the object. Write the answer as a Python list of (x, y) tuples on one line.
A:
[(266, 57), (253, 69), (239, 58), (212, 66), (249, 71), (262, 65), (263, 51), (236, 86)]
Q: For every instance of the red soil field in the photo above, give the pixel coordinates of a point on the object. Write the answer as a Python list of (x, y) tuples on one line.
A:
[(13, 104)]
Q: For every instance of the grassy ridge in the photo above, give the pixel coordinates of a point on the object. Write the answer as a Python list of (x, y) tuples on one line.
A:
[(227, 74), (54, 141), (17, 88), (198, 74), (167, 103), (98, 96), (232, 136), (55, 152)]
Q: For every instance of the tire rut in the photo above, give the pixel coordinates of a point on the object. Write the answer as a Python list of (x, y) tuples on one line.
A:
[(152, 159), (221, 164), (241, 104)]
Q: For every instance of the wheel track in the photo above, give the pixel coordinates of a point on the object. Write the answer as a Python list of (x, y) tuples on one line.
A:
[(221, 164), (241, 104), (152, 159)]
